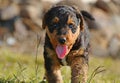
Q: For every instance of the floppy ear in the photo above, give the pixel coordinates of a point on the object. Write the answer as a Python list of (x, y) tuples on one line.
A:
[(90, 20), (82, 24), (81, 39), (87, 15), (80, 18), (45, 20)]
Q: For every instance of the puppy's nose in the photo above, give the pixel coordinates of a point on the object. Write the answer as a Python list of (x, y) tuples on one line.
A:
[(62, 40)]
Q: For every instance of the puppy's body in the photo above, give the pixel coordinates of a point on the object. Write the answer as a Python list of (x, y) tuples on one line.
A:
[(67, 40)]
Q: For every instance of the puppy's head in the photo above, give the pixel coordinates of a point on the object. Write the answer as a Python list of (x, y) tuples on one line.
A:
[(63, 25)]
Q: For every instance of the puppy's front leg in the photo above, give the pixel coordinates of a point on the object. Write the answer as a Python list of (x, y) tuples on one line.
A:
[(79, 68), (52, 67)]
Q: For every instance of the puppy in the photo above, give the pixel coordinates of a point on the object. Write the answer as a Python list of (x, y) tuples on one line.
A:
[(66, 43)]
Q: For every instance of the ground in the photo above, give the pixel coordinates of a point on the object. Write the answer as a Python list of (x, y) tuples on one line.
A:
[(27, 68)]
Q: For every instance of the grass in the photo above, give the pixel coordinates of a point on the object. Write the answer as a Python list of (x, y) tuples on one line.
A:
[(21, 68)]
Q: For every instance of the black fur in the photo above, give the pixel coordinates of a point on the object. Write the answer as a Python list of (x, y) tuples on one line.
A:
[(62, 13), (62, 28)]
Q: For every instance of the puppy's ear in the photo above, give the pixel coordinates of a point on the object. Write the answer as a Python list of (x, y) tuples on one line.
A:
[(45, 20), (87, 15), (45, 16), (80, 17), (90, 20)]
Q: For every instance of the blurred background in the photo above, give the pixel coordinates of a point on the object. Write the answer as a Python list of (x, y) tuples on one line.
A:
[(21, 30)]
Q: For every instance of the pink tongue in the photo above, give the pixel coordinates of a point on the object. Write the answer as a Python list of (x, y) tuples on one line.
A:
[(61, 51)]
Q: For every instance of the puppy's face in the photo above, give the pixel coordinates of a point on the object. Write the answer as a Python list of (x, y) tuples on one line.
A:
[(63, 25)]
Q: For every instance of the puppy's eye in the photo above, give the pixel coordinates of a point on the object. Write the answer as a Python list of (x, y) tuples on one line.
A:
[(55, 25), (71, 25)]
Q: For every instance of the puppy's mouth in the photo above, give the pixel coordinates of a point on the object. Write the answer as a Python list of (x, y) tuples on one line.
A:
[(62, 51)]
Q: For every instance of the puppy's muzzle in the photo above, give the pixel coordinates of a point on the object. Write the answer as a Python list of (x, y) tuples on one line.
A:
[(62, 40)]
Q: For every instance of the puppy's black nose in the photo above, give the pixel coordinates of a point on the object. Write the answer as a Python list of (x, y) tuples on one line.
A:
[(62, 40)]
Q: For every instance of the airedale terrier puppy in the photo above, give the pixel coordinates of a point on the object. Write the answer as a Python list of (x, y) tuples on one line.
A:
[(66, 43)]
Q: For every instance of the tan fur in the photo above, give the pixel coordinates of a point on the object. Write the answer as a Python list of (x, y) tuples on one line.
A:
[(55, 68), (56, 20), (70, 38), (78, 66), (70, 20), (75, 58)]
